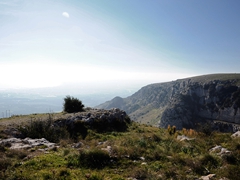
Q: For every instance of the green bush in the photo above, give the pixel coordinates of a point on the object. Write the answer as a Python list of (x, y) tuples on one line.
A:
[(230, 171), (72, 105), (2, 148), (205, 128), (79, 129), (64, 172), (139, 173), (232, 158), (94, 159), (96, 177), (16, 153), (5, 163), (104, 125), (210, 162), (44, 129), (72, 160)]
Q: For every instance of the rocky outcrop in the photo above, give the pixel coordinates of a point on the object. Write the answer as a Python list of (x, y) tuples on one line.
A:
[(236, 134), (94, 115), (219, 150), (186, 102), (27, 143), (71, 125), (208, 177), (97, 119)]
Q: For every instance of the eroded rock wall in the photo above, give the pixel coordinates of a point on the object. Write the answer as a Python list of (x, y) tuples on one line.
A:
[(185, 102), (193, 102)]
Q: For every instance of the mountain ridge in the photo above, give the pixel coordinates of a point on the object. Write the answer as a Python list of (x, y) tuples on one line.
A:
[(184, 102)]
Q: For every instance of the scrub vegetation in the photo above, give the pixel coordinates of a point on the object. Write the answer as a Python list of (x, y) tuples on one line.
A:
[(140, 152)]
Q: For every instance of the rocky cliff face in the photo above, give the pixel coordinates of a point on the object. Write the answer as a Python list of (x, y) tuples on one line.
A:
[(194, 102), (185, 102)]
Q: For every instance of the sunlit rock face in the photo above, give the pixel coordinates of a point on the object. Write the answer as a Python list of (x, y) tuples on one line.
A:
[(186, 103)]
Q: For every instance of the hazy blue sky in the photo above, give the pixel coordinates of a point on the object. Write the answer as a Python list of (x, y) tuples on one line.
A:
[(120, 42)]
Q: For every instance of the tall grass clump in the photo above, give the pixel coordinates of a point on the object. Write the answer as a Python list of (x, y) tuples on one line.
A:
[(171, 130), (105, 125), (44, 129), (93, 159)]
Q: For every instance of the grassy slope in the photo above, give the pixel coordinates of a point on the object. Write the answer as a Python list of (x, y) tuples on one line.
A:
[(19, 119), (163, 157)]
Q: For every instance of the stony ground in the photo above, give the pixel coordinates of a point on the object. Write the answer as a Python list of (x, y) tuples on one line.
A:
[(140, 152)]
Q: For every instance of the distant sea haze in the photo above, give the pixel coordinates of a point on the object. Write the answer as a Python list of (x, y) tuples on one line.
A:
[(15, 103)]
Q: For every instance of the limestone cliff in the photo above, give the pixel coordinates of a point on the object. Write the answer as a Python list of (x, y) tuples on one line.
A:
[(185, 102)]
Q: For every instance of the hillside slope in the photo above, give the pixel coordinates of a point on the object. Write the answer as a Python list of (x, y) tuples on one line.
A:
[(185, 102), (139, 152)]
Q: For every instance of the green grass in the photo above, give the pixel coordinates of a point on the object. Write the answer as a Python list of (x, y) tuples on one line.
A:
[(141, 152)]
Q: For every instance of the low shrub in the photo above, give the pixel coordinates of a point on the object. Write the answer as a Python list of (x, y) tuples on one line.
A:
[(230, 172), (16, 153), (196, 167), (78, 130), (104, 125), (44, 129), (171, 174), (233, 158), (156, 138), (5, 163), (96, 176), (205, 128), (171, 130), (72, 160), (210, 161), (47, 176), (156, 155), (94, 159), (2, 148), (142, 143), (66, 152), (64, 172), (139, 173)]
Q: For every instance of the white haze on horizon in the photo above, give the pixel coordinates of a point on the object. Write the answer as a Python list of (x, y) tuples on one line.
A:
[(47, 75)]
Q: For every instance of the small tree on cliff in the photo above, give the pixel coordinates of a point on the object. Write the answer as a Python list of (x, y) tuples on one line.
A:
[(72, 105)]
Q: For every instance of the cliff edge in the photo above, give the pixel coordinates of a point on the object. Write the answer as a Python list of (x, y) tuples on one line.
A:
[(186, 103)]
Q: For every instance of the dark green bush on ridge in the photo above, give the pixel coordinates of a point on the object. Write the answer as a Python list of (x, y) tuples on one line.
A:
[(72, 105)]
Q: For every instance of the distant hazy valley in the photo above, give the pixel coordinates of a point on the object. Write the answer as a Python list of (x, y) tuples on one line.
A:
[(183, 103), (20, 102)]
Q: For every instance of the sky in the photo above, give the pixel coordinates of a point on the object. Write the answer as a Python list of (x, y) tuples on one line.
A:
[(115, 43)]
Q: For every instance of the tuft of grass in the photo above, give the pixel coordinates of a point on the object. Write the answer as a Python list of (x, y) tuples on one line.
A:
[(5, 163), (94, 159), (96, 176), (16, 153), (44, 129)]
